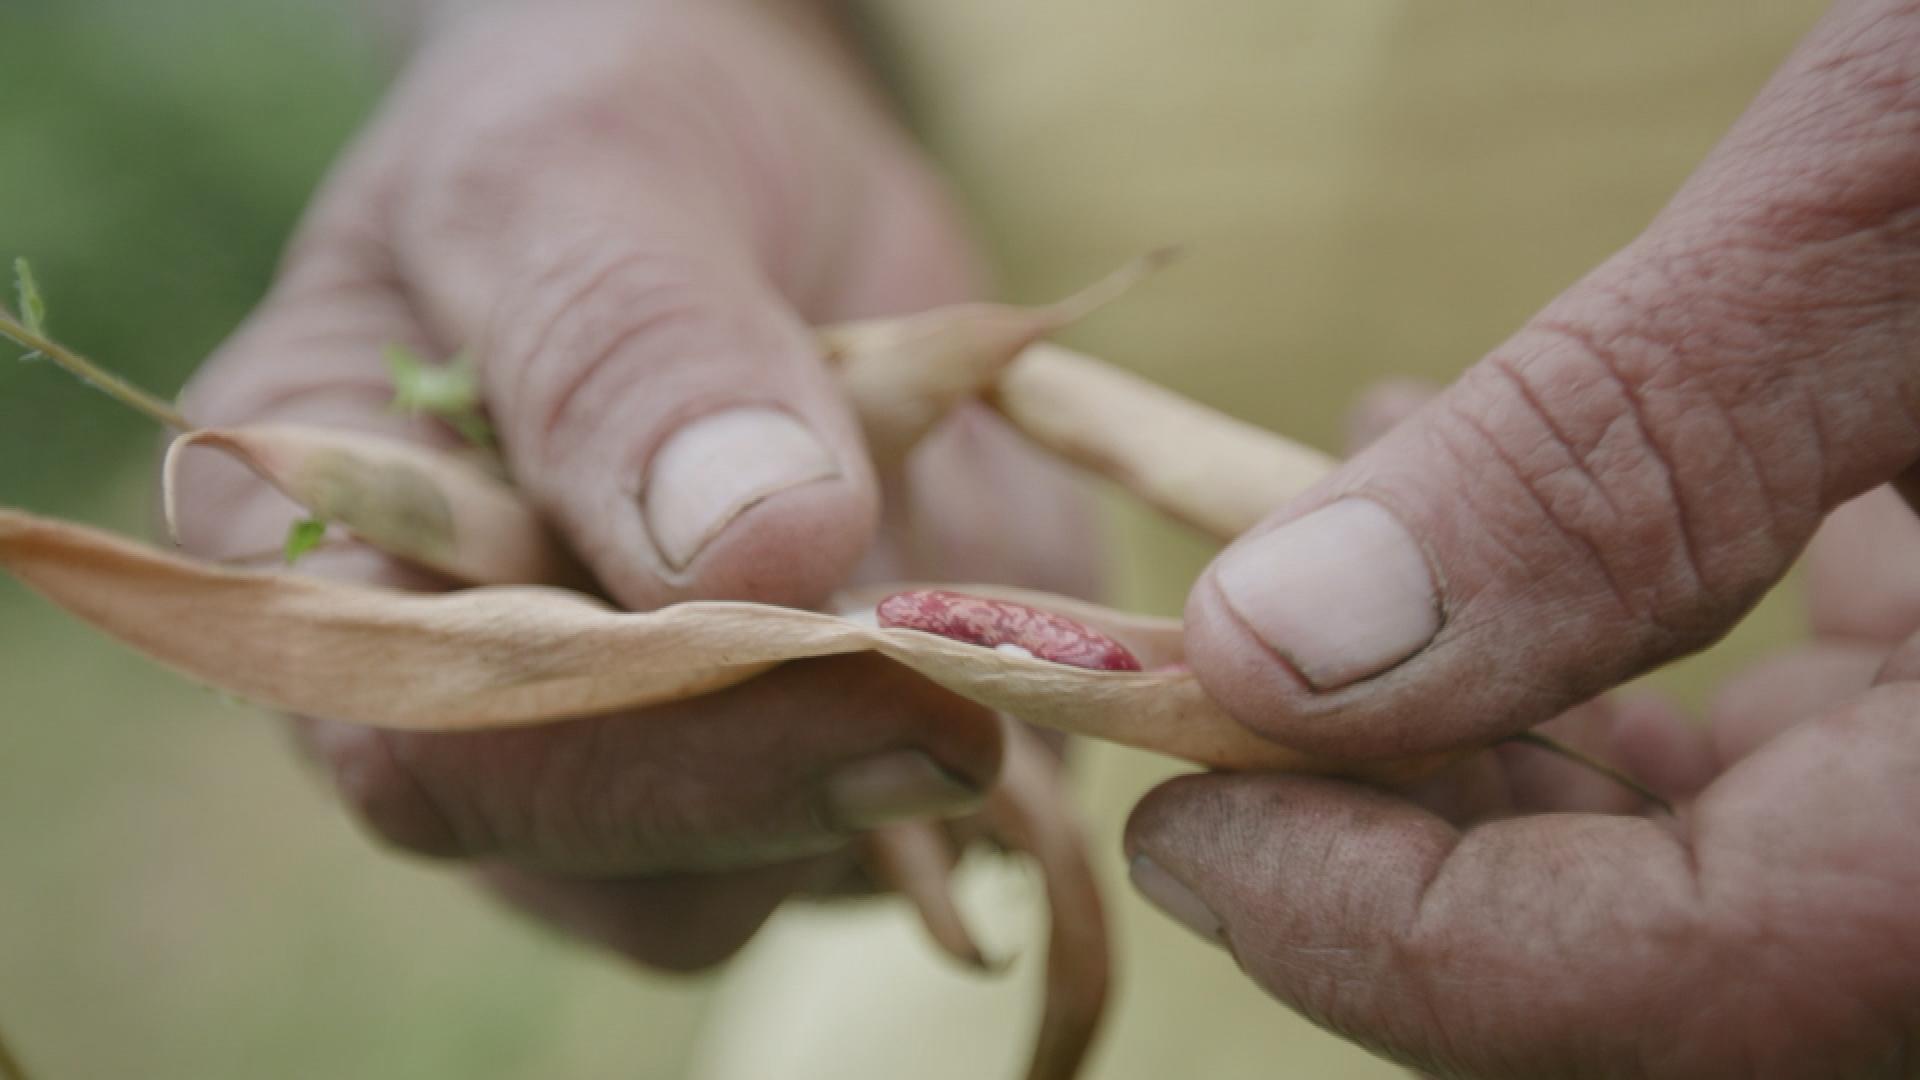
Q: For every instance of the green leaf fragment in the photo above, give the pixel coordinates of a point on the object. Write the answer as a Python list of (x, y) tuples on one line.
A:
[(449, 391), (472, 427), (33, 306), (303, 537), (29, 332)]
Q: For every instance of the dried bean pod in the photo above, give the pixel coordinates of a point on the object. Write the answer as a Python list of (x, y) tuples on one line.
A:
[(905, 374), (1195, 464), (436, 508)]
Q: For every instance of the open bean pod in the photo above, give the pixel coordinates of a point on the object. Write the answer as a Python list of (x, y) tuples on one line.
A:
[(516, 651), (505, 656)]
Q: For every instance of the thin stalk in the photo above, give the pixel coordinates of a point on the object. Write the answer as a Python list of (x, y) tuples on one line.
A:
[(1555, 746), (1112, 287), (87, 371)]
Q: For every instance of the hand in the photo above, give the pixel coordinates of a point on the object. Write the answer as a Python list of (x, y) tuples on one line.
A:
[(631, 213), (1611, 489)]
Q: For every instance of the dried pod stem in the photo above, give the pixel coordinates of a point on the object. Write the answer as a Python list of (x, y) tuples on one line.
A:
[(1029, 809), (916, 860)]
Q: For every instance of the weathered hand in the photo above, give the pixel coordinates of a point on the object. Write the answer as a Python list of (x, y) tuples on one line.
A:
[(1612, 488), (631, 213)]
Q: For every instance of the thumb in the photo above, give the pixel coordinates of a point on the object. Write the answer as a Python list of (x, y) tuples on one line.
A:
[(618, 272), (686, 439), (1621, 481)]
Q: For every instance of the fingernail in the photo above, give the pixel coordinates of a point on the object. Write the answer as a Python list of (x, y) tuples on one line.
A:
[(719, 466), (1342, 593), (898, 786), (1175, 900)]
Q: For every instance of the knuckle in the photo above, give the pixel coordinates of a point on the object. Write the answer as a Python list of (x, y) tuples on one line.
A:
[(1798, 346), (602, 797), (1856, 100), (593, 317), (1614, 462), (509, 118), (388, 796)]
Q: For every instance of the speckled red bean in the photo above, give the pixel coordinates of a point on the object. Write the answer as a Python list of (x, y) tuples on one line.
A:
[(978, 620)]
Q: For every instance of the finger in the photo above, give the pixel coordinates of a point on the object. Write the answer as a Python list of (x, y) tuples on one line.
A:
[(1383, 407), (624, 268), (981, 504), (1622, 480), (1863, 571), (1541, 781), (794, 763), (1565, 943), (1902, 665), (1521, 779), (685, 923), (1643, 735), (312, 352), (1657, 743), (1470, 790), (1776, 694), (1381, 922)]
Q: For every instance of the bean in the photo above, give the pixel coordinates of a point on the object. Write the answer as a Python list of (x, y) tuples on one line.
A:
[(979, 620)]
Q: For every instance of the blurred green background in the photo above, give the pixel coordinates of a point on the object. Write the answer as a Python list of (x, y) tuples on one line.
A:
[(156, 155), (177, 899)]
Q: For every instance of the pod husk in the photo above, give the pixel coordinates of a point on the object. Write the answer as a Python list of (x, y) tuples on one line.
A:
[(434, 508), (1195, 464), (904, 374), (521, 655)]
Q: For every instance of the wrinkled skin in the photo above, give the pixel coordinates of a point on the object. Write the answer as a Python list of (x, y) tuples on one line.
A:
[(1612, 488), (632, 213)]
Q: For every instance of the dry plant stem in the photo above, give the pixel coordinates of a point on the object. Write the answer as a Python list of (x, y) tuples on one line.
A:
[(1064, 313), (916, 860), (1195, 464), (1555, 746), (1030, 810), (107, 382), (431, 507)]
